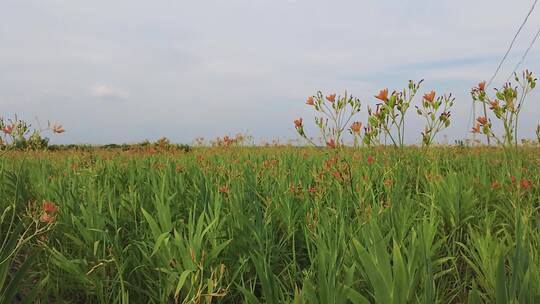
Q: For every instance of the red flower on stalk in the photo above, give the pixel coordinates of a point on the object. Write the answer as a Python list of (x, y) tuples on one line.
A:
[(525, 184), (356, 127), (331, 143), (482, 120), (370, 160), (298, 123), (430, 96), (310, 101), (494, 104), (223, 189), (482, 86), (383, 95), (331, 97), (49, 207), (56, 128), (495, 185), (8, 129), (49, 211)]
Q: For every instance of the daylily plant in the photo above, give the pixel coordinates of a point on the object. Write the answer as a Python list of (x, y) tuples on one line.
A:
[(505, 106), (17, 133), (389, 115), (435, 122), (336, 116)]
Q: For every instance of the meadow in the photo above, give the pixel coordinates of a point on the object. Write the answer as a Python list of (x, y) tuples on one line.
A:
[(271, 225)]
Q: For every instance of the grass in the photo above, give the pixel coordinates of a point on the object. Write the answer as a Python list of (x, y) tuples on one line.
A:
[(274, 225)]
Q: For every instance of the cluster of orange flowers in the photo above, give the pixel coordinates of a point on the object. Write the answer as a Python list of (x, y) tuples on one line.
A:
[(480, 122), (49, 211), (523, 183)]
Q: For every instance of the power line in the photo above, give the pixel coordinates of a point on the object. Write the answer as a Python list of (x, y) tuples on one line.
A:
[(524, 55), (511, 44)]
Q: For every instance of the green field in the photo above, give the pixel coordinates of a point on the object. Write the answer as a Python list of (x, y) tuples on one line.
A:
[(271, 225)]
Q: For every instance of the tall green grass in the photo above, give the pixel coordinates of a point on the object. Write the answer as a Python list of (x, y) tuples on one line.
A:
[(275, 225)]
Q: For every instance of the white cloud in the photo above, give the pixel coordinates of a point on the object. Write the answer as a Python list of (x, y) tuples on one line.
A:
[(108, 92)]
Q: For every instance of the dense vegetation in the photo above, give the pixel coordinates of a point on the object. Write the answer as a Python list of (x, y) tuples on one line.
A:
[(271, 225)]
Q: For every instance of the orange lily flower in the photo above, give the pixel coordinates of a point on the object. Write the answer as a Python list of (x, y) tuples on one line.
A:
[(310, 101), (525, 184), (476, 128), (49, 207), (298, 123), (8, 129), (494, 104), (223, 189), (482, 86), (429, 96), (383, 95), (356, 127), (482, 120), (331, 97), (331, 143), (56, 128)]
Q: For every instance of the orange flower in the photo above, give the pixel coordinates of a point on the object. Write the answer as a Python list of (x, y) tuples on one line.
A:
[(49, 211), (298, 123), (476, 128), (310, 101), (482, 120), (46, 218), (370, 160), (56, 128), (525, 184), (331, 97), (331, 143), (383, 95), (482, 86), (8, 129), (429, 96), (223, 189), (356, 127), (49, 207), (495, 185), (494, 104)]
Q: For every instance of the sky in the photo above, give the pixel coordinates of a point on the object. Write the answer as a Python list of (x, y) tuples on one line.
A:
[(126, 71)]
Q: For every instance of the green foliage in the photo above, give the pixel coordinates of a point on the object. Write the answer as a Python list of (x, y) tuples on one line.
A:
[(271, 225)]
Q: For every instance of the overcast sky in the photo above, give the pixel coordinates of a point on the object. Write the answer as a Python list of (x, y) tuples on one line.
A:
[(125, 71)]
